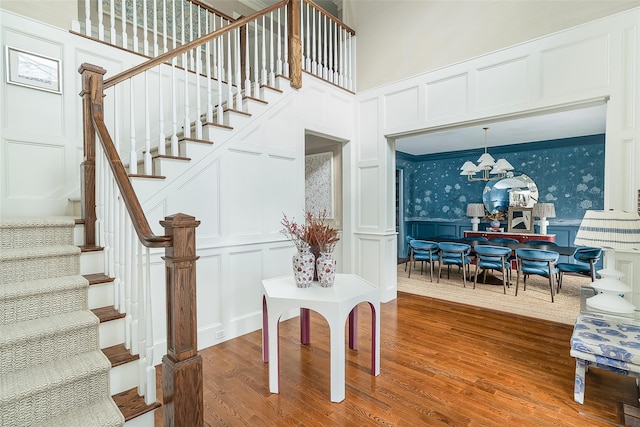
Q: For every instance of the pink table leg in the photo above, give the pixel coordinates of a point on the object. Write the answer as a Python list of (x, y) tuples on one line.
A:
[(353, 328), (375, 352), (265, 331), (305, 326)]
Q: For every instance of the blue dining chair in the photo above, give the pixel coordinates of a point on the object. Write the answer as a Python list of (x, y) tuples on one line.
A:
[(493, 258), (424, 251), (586, 258), (539, 262), (504, 240), (454, 254), (407, 240)]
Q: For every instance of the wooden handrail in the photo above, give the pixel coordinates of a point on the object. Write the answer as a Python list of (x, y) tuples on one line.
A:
[(92, 93), (125, 75)]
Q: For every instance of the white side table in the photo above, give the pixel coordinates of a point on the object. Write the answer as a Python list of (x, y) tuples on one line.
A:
[(335, 304)]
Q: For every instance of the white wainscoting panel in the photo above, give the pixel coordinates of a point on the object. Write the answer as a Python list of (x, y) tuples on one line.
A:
[(576, 67), (33, 170), (243, 291), (503, 84), (447, 98), (211, 325), (401, 108), (368, 199), (368, 117), (244, 175)]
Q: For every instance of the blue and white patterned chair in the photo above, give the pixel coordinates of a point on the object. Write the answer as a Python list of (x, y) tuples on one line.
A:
[(610, 344)]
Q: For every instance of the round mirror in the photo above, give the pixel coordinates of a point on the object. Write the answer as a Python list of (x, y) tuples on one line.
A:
[(515, 190)]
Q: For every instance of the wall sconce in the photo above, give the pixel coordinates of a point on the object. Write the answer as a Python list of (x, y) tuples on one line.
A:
[(475, 210), (610, 230), (544, 211)]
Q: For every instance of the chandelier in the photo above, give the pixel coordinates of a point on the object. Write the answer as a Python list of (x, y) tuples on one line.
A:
[(487, 166)]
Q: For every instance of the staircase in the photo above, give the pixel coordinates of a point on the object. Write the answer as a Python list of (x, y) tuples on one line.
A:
[(58, 360)]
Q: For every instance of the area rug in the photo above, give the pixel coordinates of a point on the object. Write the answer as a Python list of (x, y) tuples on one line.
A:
[(534, 302)]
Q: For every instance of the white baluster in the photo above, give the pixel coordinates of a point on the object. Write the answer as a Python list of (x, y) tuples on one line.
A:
[(100, 21), (174, 112), (147, 128), (133, 155), (123, 20), (286, 43), (264, 54), (162, 143), (256, 78), (186, 121), (134, 26), (238, 69), (279, 44), (272, 76), (173, 24), (324, 45), (209, 117), (229, 74), (128, 271), (350, 63), (219, 109), (342, 58), (331, 50), (112, 13), (314, 42), (307, 63), (150, 395), (215, 52), (198, 121), (145, 29), (247, 66), (165, 24), (87, 17), (143, 338)]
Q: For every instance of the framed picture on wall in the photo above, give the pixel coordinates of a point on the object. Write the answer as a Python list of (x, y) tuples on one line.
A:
[(32, 70), (520, 220)]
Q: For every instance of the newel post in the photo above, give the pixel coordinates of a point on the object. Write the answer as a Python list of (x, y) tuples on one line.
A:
[(295, 44), (92, 95), (182, 365)]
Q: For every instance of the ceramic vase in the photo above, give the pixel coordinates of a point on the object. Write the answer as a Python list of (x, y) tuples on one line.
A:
[(304, 266), (326, 269), (495, 224)]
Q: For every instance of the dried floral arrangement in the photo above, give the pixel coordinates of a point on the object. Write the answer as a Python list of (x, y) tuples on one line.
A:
[(315, 232)]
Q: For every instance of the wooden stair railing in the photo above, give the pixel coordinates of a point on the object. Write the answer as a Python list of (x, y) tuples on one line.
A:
[(182, 365)]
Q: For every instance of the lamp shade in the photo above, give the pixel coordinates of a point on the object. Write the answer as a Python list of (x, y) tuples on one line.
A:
[(544, 210), (475, 209), (610, 229)]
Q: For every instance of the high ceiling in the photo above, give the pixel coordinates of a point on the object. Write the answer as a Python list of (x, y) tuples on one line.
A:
[(563, 124)]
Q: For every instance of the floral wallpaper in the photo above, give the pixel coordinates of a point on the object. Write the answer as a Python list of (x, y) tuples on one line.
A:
[(318, 178), (568, 172)]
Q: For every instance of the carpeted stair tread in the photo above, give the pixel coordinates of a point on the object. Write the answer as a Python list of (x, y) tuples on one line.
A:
[(41, 286), (22, 264), (102, 413), (20, 384), (21, 301), (31, 232), (38, 252), (37, 341)]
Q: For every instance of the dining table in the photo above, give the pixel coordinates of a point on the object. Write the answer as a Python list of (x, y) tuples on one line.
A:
[(562, 250)]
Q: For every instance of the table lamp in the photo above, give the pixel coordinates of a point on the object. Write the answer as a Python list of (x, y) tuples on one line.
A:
[(475, 210), (610, 230), (544, 211)]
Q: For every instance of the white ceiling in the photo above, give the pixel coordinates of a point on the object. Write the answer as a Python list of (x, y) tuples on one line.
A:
[(563, 124)]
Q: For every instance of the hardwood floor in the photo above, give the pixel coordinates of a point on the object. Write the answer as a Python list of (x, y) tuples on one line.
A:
[(441, 364)]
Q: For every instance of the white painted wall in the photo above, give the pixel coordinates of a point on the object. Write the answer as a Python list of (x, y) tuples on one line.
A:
[(595, 62), (403, 38)]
